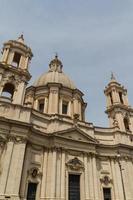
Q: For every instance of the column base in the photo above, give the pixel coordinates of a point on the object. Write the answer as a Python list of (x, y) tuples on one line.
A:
[(9, 197)]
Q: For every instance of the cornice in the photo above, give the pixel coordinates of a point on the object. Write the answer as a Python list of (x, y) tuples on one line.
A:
[(119, 107), (18, 71), (19, 45)]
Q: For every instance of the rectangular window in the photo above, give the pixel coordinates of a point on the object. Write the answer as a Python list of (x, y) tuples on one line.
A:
[(41, 105), (16, 59), (107, 193), (65, 107), (74, 187), (31, 193)]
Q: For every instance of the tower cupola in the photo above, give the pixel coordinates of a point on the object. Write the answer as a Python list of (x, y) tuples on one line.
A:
[(16, 53), (118, 108), (14, 73)]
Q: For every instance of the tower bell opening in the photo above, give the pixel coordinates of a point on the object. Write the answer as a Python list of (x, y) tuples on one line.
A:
[(8, 90), (16, 59)]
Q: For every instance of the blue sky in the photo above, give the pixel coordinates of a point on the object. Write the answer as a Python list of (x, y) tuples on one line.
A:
[(92, 39)]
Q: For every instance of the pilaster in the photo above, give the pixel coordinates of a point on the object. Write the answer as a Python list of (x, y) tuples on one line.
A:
[(96, 185), (44, 177), (16, 165), (86, 178), (115, 184), (6, 166), (63, 175)]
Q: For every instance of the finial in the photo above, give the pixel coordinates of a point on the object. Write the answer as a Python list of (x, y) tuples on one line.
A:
[(21, 38), (56, 55), (112, 76)]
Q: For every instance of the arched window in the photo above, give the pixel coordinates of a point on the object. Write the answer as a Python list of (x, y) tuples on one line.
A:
[(126, 124), (8, 90), (65, 107), (41, 104), (121, 97), (16, 59)]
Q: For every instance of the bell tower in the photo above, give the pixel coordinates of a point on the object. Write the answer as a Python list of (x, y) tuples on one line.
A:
[(14, 74), (118, 110)]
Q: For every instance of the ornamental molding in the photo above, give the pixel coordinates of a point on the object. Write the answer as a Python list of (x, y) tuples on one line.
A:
[(3, 141), (75, 164), (4, 108), (34, 172), (17, 139), (106, 180)]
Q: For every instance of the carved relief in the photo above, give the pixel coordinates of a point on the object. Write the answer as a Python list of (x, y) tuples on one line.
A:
[(54, 91), (115, 123), (106, 180), (3, 141), (75, 164), (17, 139), (34, 172)]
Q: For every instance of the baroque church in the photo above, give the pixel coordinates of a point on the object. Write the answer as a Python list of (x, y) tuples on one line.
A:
[(48, 151)]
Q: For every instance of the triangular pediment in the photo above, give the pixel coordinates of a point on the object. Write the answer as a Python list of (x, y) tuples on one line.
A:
[(76, 134)]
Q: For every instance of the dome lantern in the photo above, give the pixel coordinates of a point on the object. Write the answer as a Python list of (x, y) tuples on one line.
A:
[(55, 65)]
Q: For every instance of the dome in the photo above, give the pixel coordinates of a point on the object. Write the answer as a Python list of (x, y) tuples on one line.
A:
[(55, 75)]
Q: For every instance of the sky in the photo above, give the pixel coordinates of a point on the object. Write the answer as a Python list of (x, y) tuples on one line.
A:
[(92, 38)]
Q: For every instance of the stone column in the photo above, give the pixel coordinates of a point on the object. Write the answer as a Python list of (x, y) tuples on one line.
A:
[(60, 106), (91, 180), (80, 108), (5, 55), (19, 94), (43, 185), (53, 173), (53, 100), (46, 105), (0, 76), (36, 104), (129, 178), (58, 179), (26, 63), (63, 176), (124, 165), (114, 96), (10, 57), (96, 185), (16, 166), (125, 98), (115, 185), (86, 178), (119, 181), (5, 167), (69, 108), (119, 118), (75, 102), (130, 171)]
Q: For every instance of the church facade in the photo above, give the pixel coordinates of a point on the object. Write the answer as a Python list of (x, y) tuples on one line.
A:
[(48, 151)]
